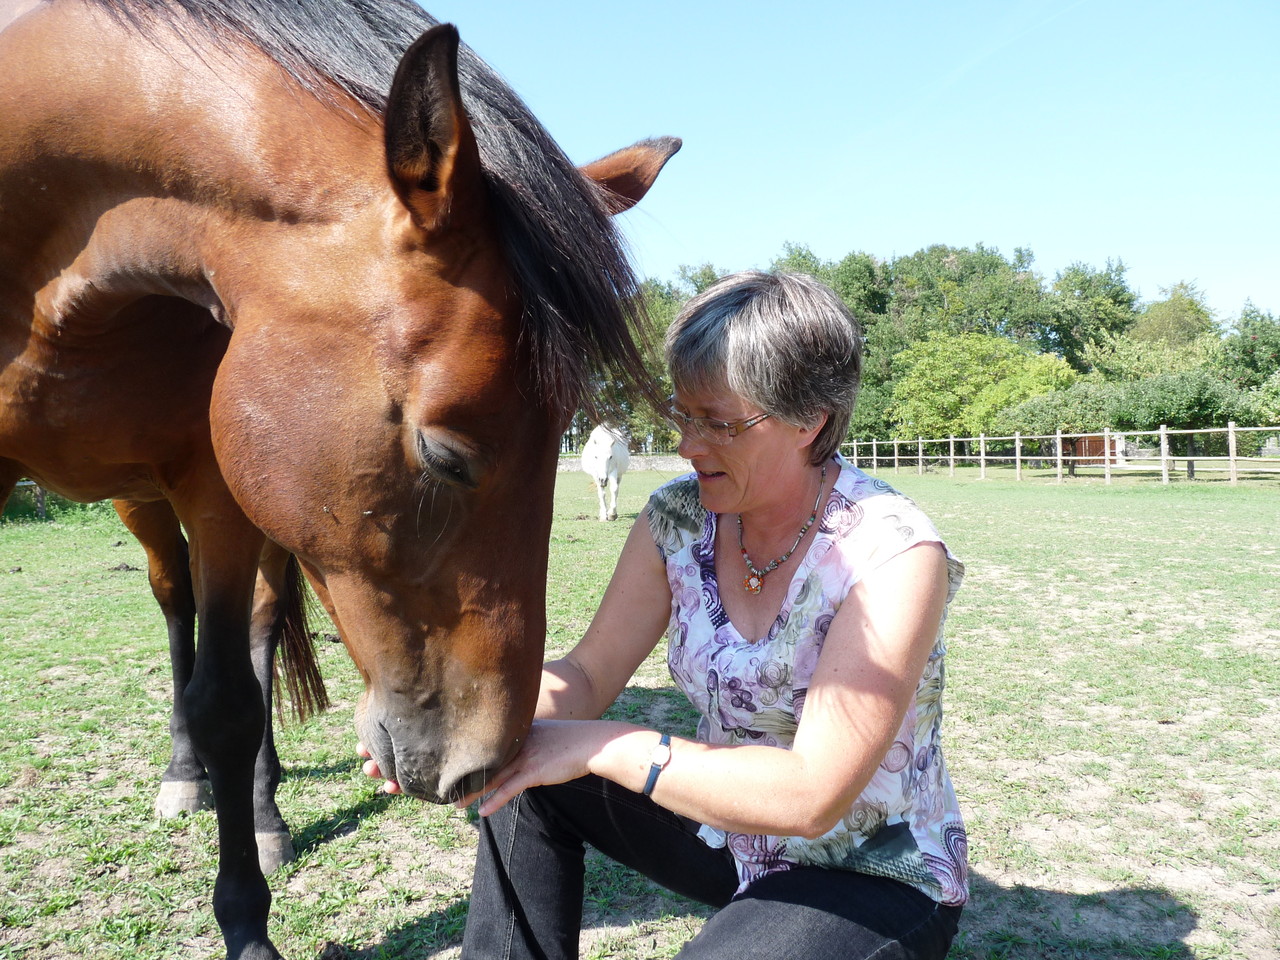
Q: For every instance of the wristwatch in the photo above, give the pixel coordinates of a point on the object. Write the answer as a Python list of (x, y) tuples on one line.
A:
[(660, 758)]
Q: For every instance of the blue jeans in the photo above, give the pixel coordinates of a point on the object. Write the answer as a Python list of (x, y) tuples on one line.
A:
[(526, 898)]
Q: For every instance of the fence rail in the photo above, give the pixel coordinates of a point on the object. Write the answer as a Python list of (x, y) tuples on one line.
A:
[(1111, 451)]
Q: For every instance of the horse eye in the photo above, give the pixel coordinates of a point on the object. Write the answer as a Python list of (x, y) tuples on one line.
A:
[(444, 464)]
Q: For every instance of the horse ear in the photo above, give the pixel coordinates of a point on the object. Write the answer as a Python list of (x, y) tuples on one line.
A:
[(627, 174), (431, 150)]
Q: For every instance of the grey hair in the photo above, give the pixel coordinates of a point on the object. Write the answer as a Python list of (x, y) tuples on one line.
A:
[(782, 341)]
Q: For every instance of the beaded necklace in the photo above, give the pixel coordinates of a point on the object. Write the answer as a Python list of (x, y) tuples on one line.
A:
[(754, 580)]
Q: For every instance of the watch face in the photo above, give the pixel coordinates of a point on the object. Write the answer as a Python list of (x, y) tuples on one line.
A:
[(661, 755)]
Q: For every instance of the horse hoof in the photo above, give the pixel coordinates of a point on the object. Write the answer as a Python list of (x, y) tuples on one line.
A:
[(612, 516), (183, 796), (274, 850)]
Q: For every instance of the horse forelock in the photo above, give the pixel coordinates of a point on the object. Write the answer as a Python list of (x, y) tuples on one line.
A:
[(583, 321)]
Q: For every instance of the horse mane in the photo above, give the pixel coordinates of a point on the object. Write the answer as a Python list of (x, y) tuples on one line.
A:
[(583, 322)]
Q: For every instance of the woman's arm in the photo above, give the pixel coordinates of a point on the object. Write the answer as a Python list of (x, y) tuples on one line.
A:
[(865, 680), (625, 629)]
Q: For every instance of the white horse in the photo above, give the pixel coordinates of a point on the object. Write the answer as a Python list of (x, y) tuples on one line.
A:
[(605, 460)]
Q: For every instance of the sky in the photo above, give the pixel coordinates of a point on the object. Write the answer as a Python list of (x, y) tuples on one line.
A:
[(1084, 130)]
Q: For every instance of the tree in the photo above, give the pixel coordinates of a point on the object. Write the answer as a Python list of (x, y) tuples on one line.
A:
[(871, 413), (1037, 374), (936, 382), (1266, 400), (969, 291), (1086, 305), (1180, 318), (1251, 350), (1192, 400), (1087, 406), (1126, 359), (698, 278)]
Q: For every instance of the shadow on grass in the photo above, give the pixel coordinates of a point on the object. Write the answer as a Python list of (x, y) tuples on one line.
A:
[(1018, 923), (664, 708), (1004, 923), (316, 834)]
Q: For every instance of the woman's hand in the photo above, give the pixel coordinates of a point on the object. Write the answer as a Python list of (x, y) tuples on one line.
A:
[(556, 751), (370, 768)]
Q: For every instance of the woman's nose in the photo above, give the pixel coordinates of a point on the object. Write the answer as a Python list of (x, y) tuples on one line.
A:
[(691, 444)]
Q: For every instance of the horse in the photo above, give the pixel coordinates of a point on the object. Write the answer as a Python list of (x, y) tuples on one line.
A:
[(605, 460), (278, 625), (311, 273)]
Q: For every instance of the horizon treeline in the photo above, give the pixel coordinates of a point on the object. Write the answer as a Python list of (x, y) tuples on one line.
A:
[(964, 340)]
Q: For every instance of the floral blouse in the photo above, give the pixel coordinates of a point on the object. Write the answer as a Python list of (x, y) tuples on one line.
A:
[(906, 824)]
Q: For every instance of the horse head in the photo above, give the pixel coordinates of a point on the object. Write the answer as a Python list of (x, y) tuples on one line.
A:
[(388, 416)]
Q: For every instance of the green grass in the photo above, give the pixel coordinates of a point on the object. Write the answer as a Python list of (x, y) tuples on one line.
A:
[(1112, 730)]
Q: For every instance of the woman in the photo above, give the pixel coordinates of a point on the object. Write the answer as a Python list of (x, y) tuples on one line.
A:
[(803, 602)]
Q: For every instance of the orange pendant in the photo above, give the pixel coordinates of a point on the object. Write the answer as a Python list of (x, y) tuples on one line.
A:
[(753, 583)]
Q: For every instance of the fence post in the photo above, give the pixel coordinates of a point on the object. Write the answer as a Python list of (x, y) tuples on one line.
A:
[(1106, 453), (854, 452), (1017, 454), (1059, 454), (41, 510), (920, 455), (895, 456), (875, 460), (951, 454), (1231, 450), (1164, 454), (982, 456)]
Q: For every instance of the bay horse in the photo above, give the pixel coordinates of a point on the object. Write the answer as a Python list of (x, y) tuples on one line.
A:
[(605, 459), (310, 272)]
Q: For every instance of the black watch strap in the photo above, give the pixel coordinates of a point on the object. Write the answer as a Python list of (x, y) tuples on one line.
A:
[(661, 757)]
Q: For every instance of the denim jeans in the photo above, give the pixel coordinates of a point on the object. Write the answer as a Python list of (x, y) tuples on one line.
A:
[(526, 898)]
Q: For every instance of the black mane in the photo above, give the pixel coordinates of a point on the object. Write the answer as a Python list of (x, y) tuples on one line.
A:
[(582, 316)]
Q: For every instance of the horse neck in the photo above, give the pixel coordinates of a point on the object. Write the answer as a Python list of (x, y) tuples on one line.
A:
[(202, 171)]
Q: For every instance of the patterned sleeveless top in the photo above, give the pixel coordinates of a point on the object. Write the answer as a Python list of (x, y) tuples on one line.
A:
[(906, 824)]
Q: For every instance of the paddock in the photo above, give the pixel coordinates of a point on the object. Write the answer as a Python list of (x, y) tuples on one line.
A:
[(1113, 715)]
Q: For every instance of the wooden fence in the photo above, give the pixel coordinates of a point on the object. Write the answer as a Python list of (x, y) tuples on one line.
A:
[(1111, 452)]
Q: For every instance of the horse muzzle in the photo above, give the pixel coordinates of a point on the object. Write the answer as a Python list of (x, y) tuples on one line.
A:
[(426, 761)]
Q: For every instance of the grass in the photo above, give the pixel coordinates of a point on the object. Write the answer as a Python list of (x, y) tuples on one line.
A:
[(1112, 730)]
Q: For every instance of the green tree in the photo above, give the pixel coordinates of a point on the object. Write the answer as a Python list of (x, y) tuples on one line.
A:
[(1087, 406), (1127, 359), (1035, 374), (1182, 317), (1192, 400), (937, 381), (968, 291), (1251, 348), (1266, 400), (1086, 305), (698, 278), (871, 414)]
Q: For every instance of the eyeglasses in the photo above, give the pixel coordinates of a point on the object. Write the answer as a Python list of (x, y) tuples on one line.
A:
[(709, 429)]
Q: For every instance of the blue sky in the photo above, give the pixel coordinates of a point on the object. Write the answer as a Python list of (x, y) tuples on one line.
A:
[(1082, 129)]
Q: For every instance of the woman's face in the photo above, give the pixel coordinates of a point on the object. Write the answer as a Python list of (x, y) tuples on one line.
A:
[(758, 468)]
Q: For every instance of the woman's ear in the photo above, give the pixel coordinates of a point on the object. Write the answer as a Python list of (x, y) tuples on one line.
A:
[(808, 434)]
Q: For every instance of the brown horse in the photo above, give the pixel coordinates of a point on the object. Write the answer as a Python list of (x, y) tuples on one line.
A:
[(309, 270)]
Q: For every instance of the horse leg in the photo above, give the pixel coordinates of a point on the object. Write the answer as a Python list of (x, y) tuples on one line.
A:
[(275, 845), (600, 483), (224, 702), (184, 786), (613, 495), (10, 474)]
